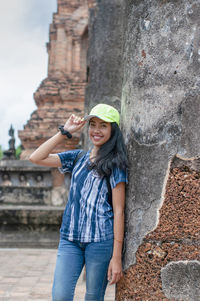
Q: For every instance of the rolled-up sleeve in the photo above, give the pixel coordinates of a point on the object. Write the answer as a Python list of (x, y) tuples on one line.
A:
[(118, 175), (67, 160)]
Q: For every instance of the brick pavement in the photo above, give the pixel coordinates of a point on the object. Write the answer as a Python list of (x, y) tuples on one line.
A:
[(27, 274)]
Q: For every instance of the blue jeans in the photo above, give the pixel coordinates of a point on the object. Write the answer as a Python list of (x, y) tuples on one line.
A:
[(71, 258)]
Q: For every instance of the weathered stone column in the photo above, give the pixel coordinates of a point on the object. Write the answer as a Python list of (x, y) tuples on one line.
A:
[(105, 53), (161, 121), (145, 56)]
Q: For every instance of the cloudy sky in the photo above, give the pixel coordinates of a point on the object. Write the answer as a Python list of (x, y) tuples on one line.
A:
[(24, 31)]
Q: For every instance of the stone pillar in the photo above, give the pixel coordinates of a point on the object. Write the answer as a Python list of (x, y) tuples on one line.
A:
[(160, 109), (104, 54), (144, 58)]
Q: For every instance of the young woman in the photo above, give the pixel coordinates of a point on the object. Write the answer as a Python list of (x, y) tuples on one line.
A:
[(92, 229)]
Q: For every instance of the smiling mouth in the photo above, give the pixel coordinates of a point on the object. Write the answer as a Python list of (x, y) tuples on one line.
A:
[(97, 137)]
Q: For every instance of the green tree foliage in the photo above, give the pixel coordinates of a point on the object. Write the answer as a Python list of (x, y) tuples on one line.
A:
[(1, 152), (18, 151)]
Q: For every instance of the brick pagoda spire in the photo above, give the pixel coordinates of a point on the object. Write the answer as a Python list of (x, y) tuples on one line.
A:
[(62, 92)]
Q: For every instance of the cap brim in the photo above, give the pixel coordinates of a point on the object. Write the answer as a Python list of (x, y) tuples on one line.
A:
[(88, 117)]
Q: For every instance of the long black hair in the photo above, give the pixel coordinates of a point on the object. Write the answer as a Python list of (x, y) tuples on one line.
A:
[(111, 154)]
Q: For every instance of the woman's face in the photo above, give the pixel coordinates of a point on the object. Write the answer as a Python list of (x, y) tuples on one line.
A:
[(99, 131)]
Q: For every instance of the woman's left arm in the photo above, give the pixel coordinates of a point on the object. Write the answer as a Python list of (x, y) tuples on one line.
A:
[(115, 266)]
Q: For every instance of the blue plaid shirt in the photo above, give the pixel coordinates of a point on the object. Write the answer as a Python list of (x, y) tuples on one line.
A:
[(88, 217)]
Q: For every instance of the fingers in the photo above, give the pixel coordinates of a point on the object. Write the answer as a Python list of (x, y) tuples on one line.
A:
[(114, 278), (80, 125), (74, 123), (109, 277), (76, 119)]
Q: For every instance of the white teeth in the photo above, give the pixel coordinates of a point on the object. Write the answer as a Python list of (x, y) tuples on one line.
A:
[(97, 137)]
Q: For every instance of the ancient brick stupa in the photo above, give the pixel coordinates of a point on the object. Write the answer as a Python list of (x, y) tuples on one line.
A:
[(62, 92), (33, 197)]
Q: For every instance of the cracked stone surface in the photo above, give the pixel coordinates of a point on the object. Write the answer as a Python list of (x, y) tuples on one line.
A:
[(144, 58), (150, 64), (181, 280), (160, 104)]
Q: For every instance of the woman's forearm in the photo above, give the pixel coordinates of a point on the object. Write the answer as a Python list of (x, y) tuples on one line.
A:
[(118, 234), (115, 266), (46, 148), (43, 156)]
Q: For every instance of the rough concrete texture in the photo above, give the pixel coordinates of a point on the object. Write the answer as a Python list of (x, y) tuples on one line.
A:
[(176, 238), (105, 54), (181, 280), (160, 104)]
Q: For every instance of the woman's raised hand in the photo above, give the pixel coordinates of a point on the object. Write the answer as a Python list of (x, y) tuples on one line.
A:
[(74, 123)]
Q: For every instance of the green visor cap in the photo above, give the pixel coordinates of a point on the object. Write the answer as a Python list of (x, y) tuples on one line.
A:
[(104, 112)]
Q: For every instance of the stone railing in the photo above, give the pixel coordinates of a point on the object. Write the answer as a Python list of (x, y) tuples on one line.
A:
[(30, 213)]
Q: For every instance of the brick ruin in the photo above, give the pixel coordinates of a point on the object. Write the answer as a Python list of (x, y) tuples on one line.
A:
[(62, 92), (175, 237), (33, 197)]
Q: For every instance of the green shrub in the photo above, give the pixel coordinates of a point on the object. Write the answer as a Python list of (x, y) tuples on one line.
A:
[(18, 151), (1, 152)]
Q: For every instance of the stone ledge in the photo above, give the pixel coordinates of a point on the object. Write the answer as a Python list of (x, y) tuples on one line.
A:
[(34, 216), (29, 239), (25, 165), (34, 208)]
